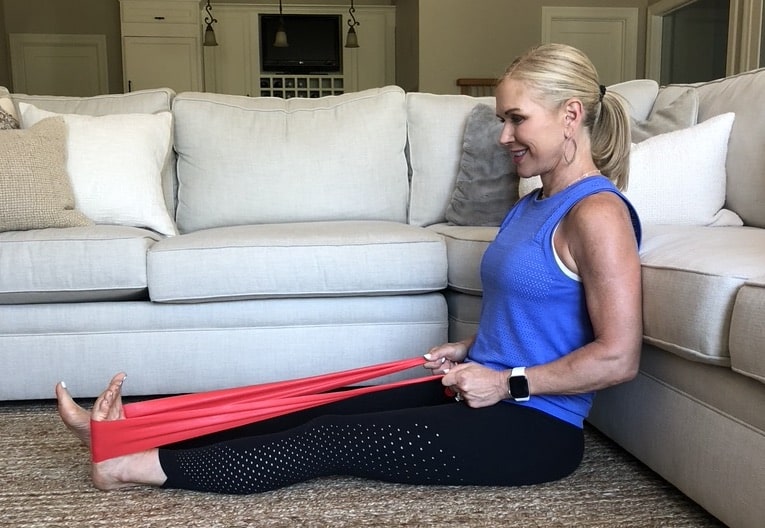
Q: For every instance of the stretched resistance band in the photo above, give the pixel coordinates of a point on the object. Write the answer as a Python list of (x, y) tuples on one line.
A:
[(154, 423)]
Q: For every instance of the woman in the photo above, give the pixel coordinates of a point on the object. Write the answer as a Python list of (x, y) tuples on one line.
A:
[(561, 319)]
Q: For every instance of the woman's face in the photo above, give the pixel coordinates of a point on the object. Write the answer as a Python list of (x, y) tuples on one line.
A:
[(533, 133)]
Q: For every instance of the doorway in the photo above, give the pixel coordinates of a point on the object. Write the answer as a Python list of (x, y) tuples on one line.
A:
[(701, 40), (694, 42)]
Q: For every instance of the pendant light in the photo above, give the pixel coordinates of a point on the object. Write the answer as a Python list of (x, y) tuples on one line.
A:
[(352, 40), (210, 39), (280, 41)]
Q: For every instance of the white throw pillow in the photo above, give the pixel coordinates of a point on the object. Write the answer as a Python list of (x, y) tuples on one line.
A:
[(680, 177), (115, 165)]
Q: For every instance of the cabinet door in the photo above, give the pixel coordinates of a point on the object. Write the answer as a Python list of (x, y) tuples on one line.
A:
[(161, 62), (228, 66)]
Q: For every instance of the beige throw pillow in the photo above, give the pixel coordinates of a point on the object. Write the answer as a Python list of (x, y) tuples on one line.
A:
[(35, 192), (8, 118), (670, 112)]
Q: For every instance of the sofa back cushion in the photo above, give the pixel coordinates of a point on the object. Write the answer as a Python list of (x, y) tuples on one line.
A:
[(743, 94), (436, 130), (267, 160)]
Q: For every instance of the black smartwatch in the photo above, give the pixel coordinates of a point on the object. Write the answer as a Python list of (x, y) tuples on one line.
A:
[(518, 384)]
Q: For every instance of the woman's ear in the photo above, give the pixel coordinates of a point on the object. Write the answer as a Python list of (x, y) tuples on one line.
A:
[(573, 111)]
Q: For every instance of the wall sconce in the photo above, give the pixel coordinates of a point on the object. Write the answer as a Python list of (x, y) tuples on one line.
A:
[(280, 41), (209, 32), (352, 40)]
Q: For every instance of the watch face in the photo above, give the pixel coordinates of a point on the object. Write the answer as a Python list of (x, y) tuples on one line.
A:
[(519, 386)]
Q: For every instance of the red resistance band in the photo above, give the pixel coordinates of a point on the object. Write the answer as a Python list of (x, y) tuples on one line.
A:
[(154, 423)]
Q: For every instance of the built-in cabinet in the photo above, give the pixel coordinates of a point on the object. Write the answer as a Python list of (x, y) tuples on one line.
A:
[(161, 44), (162, 47), (233, 66)]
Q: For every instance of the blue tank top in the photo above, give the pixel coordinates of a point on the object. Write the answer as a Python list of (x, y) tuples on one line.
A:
[(532, 311)]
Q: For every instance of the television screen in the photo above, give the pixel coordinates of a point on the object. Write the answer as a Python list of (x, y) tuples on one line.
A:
[(315, 44)]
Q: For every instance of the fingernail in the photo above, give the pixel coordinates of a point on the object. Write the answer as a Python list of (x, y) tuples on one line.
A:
[(443, 360), (63, 384), (427, 356), (445, 371)]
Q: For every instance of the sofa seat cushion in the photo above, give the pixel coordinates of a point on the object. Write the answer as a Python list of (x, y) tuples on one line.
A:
[(316, 259), (77, 264), (265, 160), (465, 246), (691, 276), (747, 330)]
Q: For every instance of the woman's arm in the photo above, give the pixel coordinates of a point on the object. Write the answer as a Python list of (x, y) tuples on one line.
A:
[(597, 241)]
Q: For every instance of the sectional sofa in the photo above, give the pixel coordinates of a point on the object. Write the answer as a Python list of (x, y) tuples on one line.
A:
[(259, 239)]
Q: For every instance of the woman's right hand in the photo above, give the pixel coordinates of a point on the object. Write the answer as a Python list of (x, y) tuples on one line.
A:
[(442, 358)]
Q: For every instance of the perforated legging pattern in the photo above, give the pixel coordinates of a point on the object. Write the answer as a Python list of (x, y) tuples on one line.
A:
[(437, 442)]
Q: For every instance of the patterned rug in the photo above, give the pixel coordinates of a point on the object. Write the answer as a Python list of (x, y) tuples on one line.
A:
[(44, 472)]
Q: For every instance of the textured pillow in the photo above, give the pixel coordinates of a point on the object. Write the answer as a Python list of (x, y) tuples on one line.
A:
[(115, 164), (487, 184), (8, 118), (670, 112), (36, 193), (680, 177)]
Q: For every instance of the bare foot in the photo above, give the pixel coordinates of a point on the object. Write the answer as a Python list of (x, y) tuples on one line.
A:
[(129, 470), (75, 417)]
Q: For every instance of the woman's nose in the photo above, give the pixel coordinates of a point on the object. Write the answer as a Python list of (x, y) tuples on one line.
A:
[(507, 135)]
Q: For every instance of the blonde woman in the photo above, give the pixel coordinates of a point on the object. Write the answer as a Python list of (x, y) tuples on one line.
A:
[(561, 319)]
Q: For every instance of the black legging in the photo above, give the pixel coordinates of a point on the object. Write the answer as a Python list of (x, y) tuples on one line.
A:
[(412, 434)]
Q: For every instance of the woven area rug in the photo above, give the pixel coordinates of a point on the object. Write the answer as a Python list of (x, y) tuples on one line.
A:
[(44, 472)]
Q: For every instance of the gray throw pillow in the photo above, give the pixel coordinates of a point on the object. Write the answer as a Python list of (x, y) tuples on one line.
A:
[(487, 184)]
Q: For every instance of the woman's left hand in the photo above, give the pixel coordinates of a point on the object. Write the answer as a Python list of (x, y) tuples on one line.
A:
[(476, 385)]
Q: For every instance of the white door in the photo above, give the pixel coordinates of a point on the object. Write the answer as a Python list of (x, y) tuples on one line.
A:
[(607, 35), (161, 62), (47, 64)]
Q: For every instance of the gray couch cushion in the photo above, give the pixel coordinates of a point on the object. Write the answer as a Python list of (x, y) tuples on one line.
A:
[(244, 160), (465, 246), (317, 259), (691, 275), (747, 330), (75, 264)]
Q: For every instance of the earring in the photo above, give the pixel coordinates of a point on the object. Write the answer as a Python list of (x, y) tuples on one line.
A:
[(573, 156)]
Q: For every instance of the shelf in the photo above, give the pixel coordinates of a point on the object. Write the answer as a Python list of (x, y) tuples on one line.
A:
[(308, 86)]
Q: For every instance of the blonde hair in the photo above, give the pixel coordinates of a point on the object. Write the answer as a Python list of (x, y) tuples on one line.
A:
[(558, 72)]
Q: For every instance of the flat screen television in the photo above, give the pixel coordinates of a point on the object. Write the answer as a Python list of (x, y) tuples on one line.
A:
[(315, 44)]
